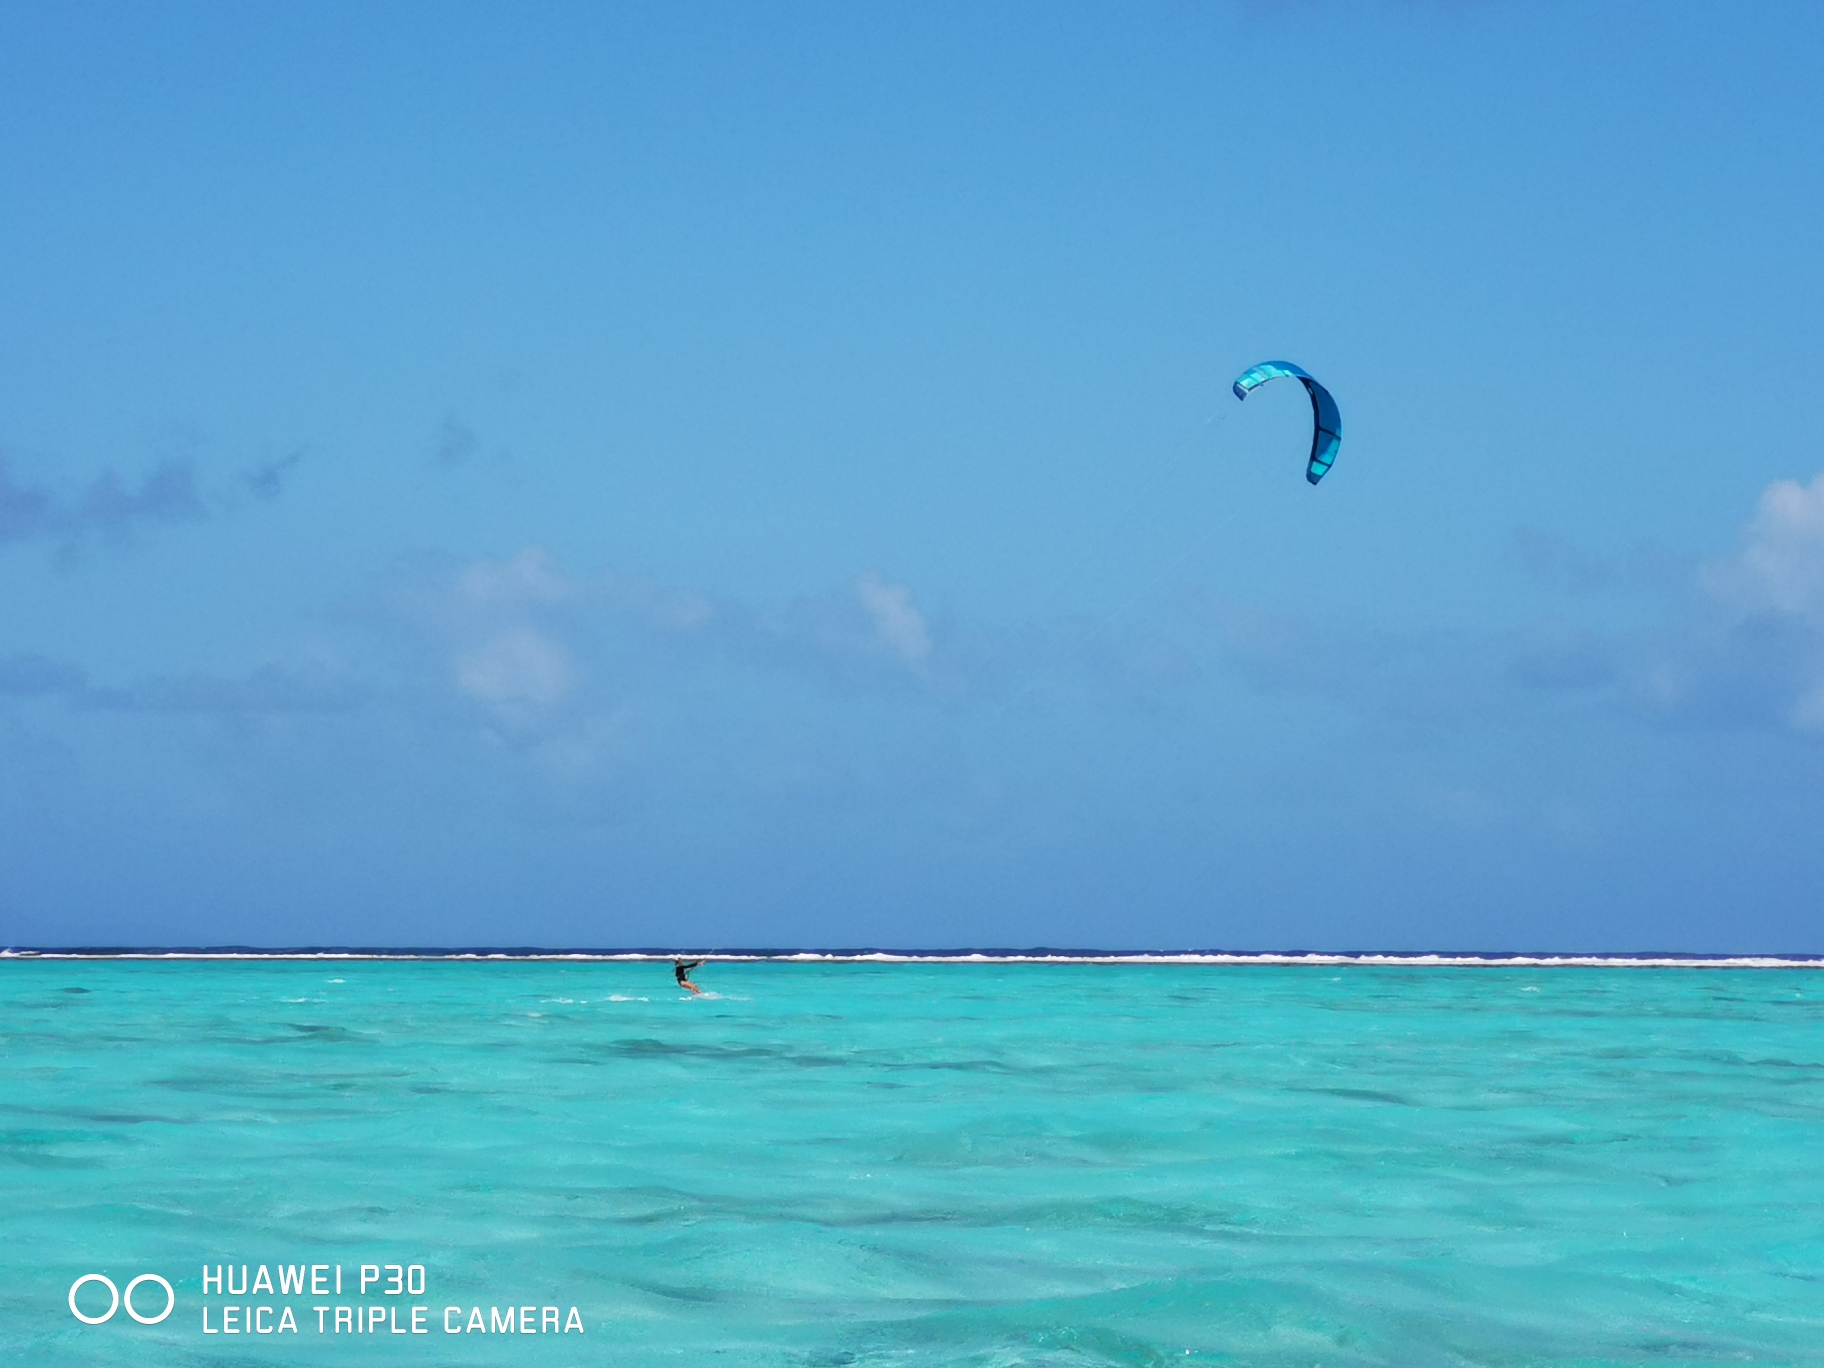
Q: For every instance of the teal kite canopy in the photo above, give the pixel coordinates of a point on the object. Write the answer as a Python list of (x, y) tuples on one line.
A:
[(1328, 435)]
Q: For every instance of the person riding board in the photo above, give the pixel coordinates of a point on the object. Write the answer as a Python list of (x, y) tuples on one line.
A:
[(681, 971)]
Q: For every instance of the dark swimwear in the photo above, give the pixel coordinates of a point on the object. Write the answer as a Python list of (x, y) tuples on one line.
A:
[(682, 971)]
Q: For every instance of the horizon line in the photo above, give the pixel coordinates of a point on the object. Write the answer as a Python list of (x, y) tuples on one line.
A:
[(961, 955)]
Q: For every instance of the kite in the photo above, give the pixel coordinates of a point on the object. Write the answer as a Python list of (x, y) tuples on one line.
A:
[(1328, 433)]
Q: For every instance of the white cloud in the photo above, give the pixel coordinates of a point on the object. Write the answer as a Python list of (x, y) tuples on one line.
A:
[(529, 578), (1807, 715), (1762, 651), (505, 633), (898, 625), (517, 669), (1781, 570), (1746, 647)]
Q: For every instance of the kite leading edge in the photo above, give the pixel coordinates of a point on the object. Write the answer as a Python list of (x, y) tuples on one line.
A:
[(1328, 433)]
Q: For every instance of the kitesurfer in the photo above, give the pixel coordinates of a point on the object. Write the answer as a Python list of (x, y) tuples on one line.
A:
[(681, 971)]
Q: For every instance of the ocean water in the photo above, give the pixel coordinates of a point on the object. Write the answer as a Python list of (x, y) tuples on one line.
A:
[(914, 1164)]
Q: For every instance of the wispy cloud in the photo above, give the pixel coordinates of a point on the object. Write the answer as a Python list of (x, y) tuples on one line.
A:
[(110, 508), (267, 479), (31, 676), (1743, 644), (25, 511), (271, 689), (529, 579), (871, 632), (1554, 655), (1555, 562), (1437, 675), (455, 443)]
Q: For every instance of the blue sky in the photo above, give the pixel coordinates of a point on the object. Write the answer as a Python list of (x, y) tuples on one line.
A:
[(765, 475)]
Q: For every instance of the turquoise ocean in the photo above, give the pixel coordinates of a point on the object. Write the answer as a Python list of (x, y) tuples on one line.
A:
[(839, 1162)]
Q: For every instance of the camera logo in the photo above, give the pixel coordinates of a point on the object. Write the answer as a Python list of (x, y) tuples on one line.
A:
[(117, 1298)]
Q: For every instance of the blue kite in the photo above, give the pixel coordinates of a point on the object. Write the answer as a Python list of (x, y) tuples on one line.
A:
[(1328, 435)]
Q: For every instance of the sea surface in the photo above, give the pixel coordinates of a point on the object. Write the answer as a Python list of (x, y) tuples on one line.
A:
[(837, 1162)]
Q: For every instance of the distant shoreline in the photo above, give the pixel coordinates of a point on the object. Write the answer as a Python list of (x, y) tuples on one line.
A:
[(1297, 958)]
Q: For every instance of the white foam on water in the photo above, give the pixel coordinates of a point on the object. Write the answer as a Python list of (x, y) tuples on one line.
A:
[(1312, 958)]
